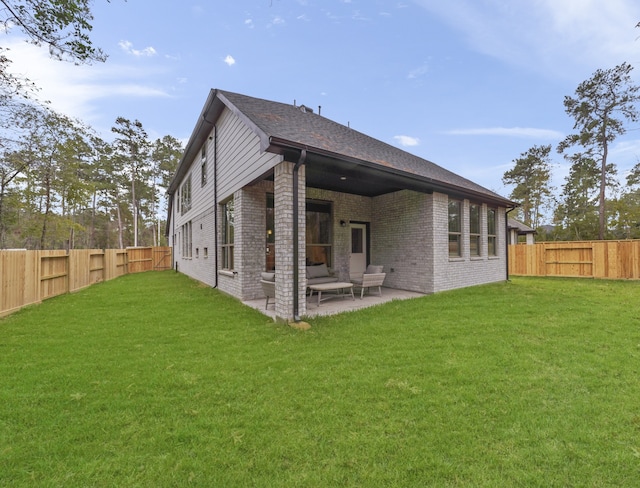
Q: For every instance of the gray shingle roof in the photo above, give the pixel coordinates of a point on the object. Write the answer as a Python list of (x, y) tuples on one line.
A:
[(291, 124), (519, 226)]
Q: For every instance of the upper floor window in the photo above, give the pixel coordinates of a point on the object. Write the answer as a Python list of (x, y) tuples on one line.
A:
[(455, 228), (203, 165), (492, 235), (185, 195), (474, 229)]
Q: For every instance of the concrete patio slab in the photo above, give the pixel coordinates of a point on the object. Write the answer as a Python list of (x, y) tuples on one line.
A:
[(338, 305)]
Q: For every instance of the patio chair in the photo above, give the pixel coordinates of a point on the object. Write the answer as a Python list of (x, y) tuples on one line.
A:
[(268, 282), (373, 277)]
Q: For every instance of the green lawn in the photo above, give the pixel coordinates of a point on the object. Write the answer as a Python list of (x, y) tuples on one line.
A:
[(153, 380)]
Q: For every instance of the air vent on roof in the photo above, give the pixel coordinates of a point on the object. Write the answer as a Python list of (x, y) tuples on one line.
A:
[(306, 109)]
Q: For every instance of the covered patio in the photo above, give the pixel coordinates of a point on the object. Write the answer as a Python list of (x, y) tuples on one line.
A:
[(282, 190), (338, 305)]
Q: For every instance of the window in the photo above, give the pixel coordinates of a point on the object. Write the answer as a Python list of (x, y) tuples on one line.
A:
[(318, 232), (270, 236), (203, 166), (474, 229), (357, 240), (455, 228), (186, 240), (318, 216), (227, 235), (205, 251), (185, 195), (492, 237)]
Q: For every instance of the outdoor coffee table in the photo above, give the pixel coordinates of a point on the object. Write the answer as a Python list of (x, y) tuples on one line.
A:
[(344, 289)]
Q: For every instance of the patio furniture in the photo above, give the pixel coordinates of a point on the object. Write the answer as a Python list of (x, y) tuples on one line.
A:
[(342, 289), (372, 277), (319, 273), (268, 282), (371, 280)]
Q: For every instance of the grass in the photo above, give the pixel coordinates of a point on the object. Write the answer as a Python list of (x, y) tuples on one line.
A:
[(155, 380)]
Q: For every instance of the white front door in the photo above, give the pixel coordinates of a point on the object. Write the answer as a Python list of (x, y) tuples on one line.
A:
[(358, 261)]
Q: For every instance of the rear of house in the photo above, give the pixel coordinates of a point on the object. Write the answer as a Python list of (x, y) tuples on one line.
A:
[(233, 215)]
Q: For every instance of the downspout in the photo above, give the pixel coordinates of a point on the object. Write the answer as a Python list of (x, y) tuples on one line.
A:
[(215, 204), (215, 197), (296, 237), (506, 237)]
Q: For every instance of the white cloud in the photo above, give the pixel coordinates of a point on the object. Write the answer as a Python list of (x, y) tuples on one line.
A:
[(418, 72), (229, 61), (75, 90), (127, 47), (277, 20), (528, 132), (407, 141), (551, 36), (249, 23)]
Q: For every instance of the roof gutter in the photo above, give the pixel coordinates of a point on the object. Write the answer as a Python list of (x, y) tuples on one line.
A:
[(198, 136), (284, 144)]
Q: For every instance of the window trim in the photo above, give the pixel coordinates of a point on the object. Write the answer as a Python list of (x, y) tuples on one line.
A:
[(227, 245), (456, 234), (492, 237), (203, 166), (187, 240), (475, 236), (320, 207), (185, 195)]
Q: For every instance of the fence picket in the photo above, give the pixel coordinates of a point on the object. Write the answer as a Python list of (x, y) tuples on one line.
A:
[(585, 259), (28, 277)]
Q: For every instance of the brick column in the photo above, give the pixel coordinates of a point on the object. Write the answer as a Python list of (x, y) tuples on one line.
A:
[(283, 203)]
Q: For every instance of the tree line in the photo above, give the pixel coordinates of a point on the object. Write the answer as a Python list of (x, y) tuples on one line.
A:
[(592, 203), (61, 184)]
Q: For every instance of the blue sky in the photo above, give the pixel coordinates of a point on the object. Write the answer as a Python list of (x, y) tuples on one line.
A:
[(467, 84)]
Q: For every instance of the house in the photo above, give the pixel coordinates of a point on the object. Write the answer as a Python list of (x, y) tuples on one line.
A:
[(518, 230), (233, 215)]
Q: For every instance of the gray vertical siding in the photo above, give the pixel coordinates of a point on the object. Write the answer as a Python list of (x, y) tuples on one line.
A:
[(239, 161)]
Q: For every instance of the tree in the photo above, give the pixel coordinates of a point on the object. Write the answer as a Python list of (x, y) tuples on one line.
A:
[(14, 118), (165, 156), (531, 175), (627, 207), (131, 150), (601, 106), (578, 210), (62, 25)]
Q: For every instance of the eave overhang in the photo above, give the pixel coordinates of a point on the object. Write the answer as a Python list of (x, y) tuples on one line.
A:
[(337, 172)]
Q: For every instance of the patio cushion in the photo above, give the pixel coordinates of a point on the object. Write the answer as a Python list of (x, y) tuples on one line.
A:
[(372, 269), (322, 279), (268, 276), (318, 271)]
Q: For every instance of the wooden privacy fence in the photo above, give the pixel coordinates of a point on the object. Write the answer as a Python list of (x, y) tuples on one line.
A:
[(583, 259), (28, 277)]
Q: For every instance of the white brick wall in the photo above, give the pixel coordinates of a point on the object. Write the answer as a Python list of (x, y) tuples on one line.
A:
[(283, 204), (401, 239), (451, 273), (409, 236)]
